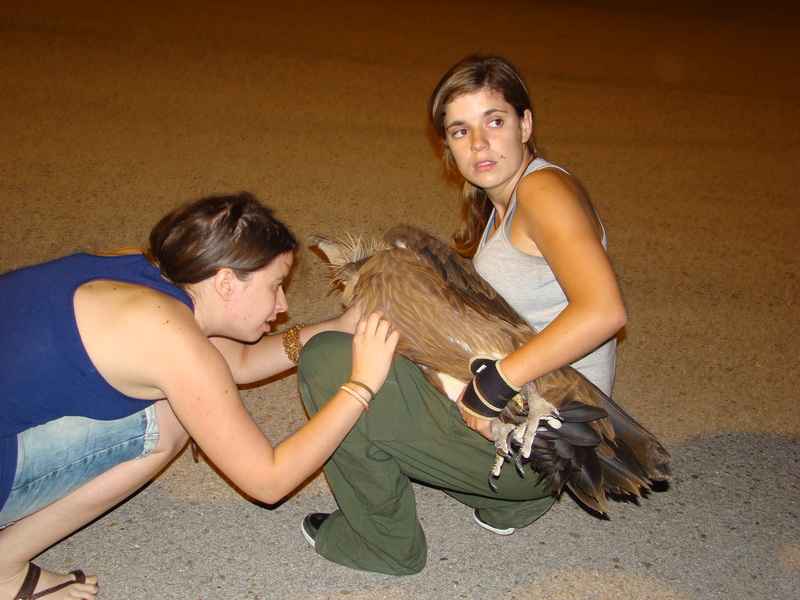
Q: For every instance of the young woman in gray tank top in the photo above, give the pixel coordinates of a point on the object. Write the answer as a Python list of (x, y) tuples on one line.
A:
[(550, 264), (529, 226)]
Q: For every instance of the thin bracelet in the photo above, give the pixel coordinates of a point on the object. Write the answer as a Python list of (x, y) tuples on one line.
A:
[(356, 395), (363, 385), (291, 342)]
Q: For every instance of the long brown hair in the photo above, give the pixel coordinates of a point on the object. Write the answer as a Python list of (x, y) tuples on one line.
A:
[(470, 75), (193, 242)]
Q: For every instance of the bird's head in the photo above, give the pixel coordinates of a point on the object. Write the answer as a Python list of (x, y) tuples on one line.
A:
[(346, 255)]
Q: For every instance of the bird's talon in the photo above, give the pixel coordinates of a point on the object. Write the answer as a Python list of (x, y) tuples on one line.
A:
[(498, 466), (519, 464), (552, 422)]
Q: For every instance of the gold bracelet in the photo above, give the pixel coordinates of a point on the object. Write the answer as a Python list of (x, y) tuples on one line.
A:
[(356, 395), (291, 342)]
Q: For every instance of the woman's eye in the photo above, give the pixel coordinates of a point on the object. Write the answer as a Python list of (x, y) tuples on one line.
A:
[(496, 123), (458, 133)]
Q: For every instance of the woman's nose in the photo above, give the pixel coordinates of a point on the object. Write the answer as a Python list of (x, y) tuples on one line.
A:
[(478, 141), (281, 303)]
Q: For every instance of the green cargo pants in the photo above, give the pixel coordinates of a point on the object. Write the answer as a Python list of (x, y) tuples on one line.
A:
[(412, 432)]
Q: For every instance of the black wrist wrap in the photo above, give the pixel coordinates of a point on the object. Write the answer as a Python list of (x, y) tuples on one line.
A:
[(489, 391)]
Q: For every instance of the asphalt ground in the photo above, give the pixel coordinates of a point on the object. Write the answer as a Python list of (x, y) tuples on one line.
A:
[(680, 118)]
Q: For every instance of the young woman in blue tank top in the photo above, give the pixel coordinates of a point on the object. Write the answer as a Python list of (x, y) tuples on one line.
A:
[(109, 364)]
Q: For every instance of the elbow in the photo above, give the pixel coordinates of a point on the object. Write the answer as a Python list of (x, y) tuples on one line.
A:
[(610, 320), (267, 496), (269, 492), (270, 498), (618, 318)]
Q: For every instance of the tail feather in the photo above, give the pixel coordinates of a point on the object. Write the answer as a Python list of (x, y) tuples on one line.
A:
[(593, 461), (633, 440), (620, 480), (577, 411), (626, 433), (580, 434), (587, 483)]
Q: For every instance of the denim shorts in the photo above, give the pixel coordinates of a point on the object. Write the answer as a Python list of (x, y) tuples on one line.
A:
[(58, 457)]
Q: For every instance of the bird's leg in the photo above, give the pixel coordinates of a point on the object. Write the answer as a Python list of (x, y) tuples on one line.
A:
[(501, 434), (539, 410), (518, 423), (498, 466), (506, 429)]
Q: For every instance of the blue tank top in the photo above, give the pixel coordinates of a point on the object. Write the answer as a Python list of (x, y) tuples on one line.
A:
[(45, 372)]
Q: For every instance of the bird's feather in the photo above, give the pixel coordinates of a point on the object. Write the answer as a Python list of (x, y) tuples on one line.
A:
[(447, 313)]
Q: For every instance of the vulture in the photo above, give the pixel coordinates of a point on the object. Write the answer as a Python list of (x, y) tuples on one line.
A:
[(570, 432)]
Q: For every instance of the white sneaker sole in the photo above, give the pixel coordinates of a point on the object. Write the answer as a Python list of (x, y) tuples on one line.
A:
[(488, 527), (308, 537)]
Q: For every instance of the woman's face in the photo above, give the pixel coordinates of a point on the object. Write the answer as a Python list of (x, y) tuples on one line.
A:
[(259, 299), (487, 140)]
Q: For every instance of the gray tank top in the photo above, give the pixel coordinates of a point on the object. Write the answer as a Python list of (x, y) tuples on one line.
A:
[(528, 284)]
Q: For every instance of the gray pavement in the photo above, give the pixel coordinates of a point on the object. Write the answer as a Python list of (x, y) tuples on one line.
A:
[(680, 118), (726, 528)]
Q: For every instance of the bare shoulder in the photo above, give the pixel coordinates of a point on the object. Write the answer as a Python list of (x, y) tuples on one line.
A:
[(122, 303), (131, 332), (547, 185), (550, 196)]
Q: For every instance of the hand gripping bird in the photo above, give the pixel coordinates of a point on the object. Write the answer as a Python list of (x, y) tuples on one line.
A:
[(452, 322)]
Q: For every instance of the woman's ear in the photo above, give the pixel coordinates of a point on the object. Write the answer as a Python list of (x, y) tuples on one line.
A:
[(225, 283), (526, 125)]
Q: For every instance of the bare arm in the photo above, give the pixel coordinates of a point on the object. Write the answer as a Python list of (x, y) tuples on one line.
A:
[(204, 396), (554, 219), (149, 346), (553, 214), (265, 358)]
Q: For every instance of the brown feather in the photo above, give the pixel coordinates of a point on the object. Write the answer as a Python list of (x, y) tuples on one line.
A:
[(447, 313)]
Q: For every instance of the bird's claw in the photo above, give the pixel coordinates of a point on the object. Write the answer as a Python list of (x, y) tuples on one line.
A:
[(541, 413), (502, 434), (551, 421), (498, 465)]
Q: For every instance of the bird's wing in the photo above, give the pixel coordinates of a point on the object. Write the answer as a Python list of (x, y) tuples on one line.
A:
[(438, 330), (458, 272), (622, 457), (447, 313)]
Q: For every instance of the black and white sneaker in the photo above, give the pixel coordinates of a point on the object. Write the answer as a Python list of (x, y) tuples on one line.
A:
[(310, 526), (487, 527)]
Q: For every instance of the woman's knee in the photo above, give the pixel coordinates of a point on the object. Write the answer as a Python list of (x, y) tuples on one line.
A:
[(324, 365), (325, 349)]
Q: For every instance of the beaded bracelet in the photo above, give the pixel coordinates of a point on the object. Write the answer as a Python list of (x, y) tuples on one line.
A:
[(291, 342), (356, 395)]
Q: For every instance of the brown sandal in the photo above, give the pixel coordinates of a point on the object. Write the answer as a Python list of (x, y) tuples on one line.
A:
[(32, 578)]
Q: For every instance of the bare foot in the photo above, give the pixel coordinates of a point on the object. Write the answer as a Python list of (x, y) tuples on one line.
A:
[(48, 579)]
